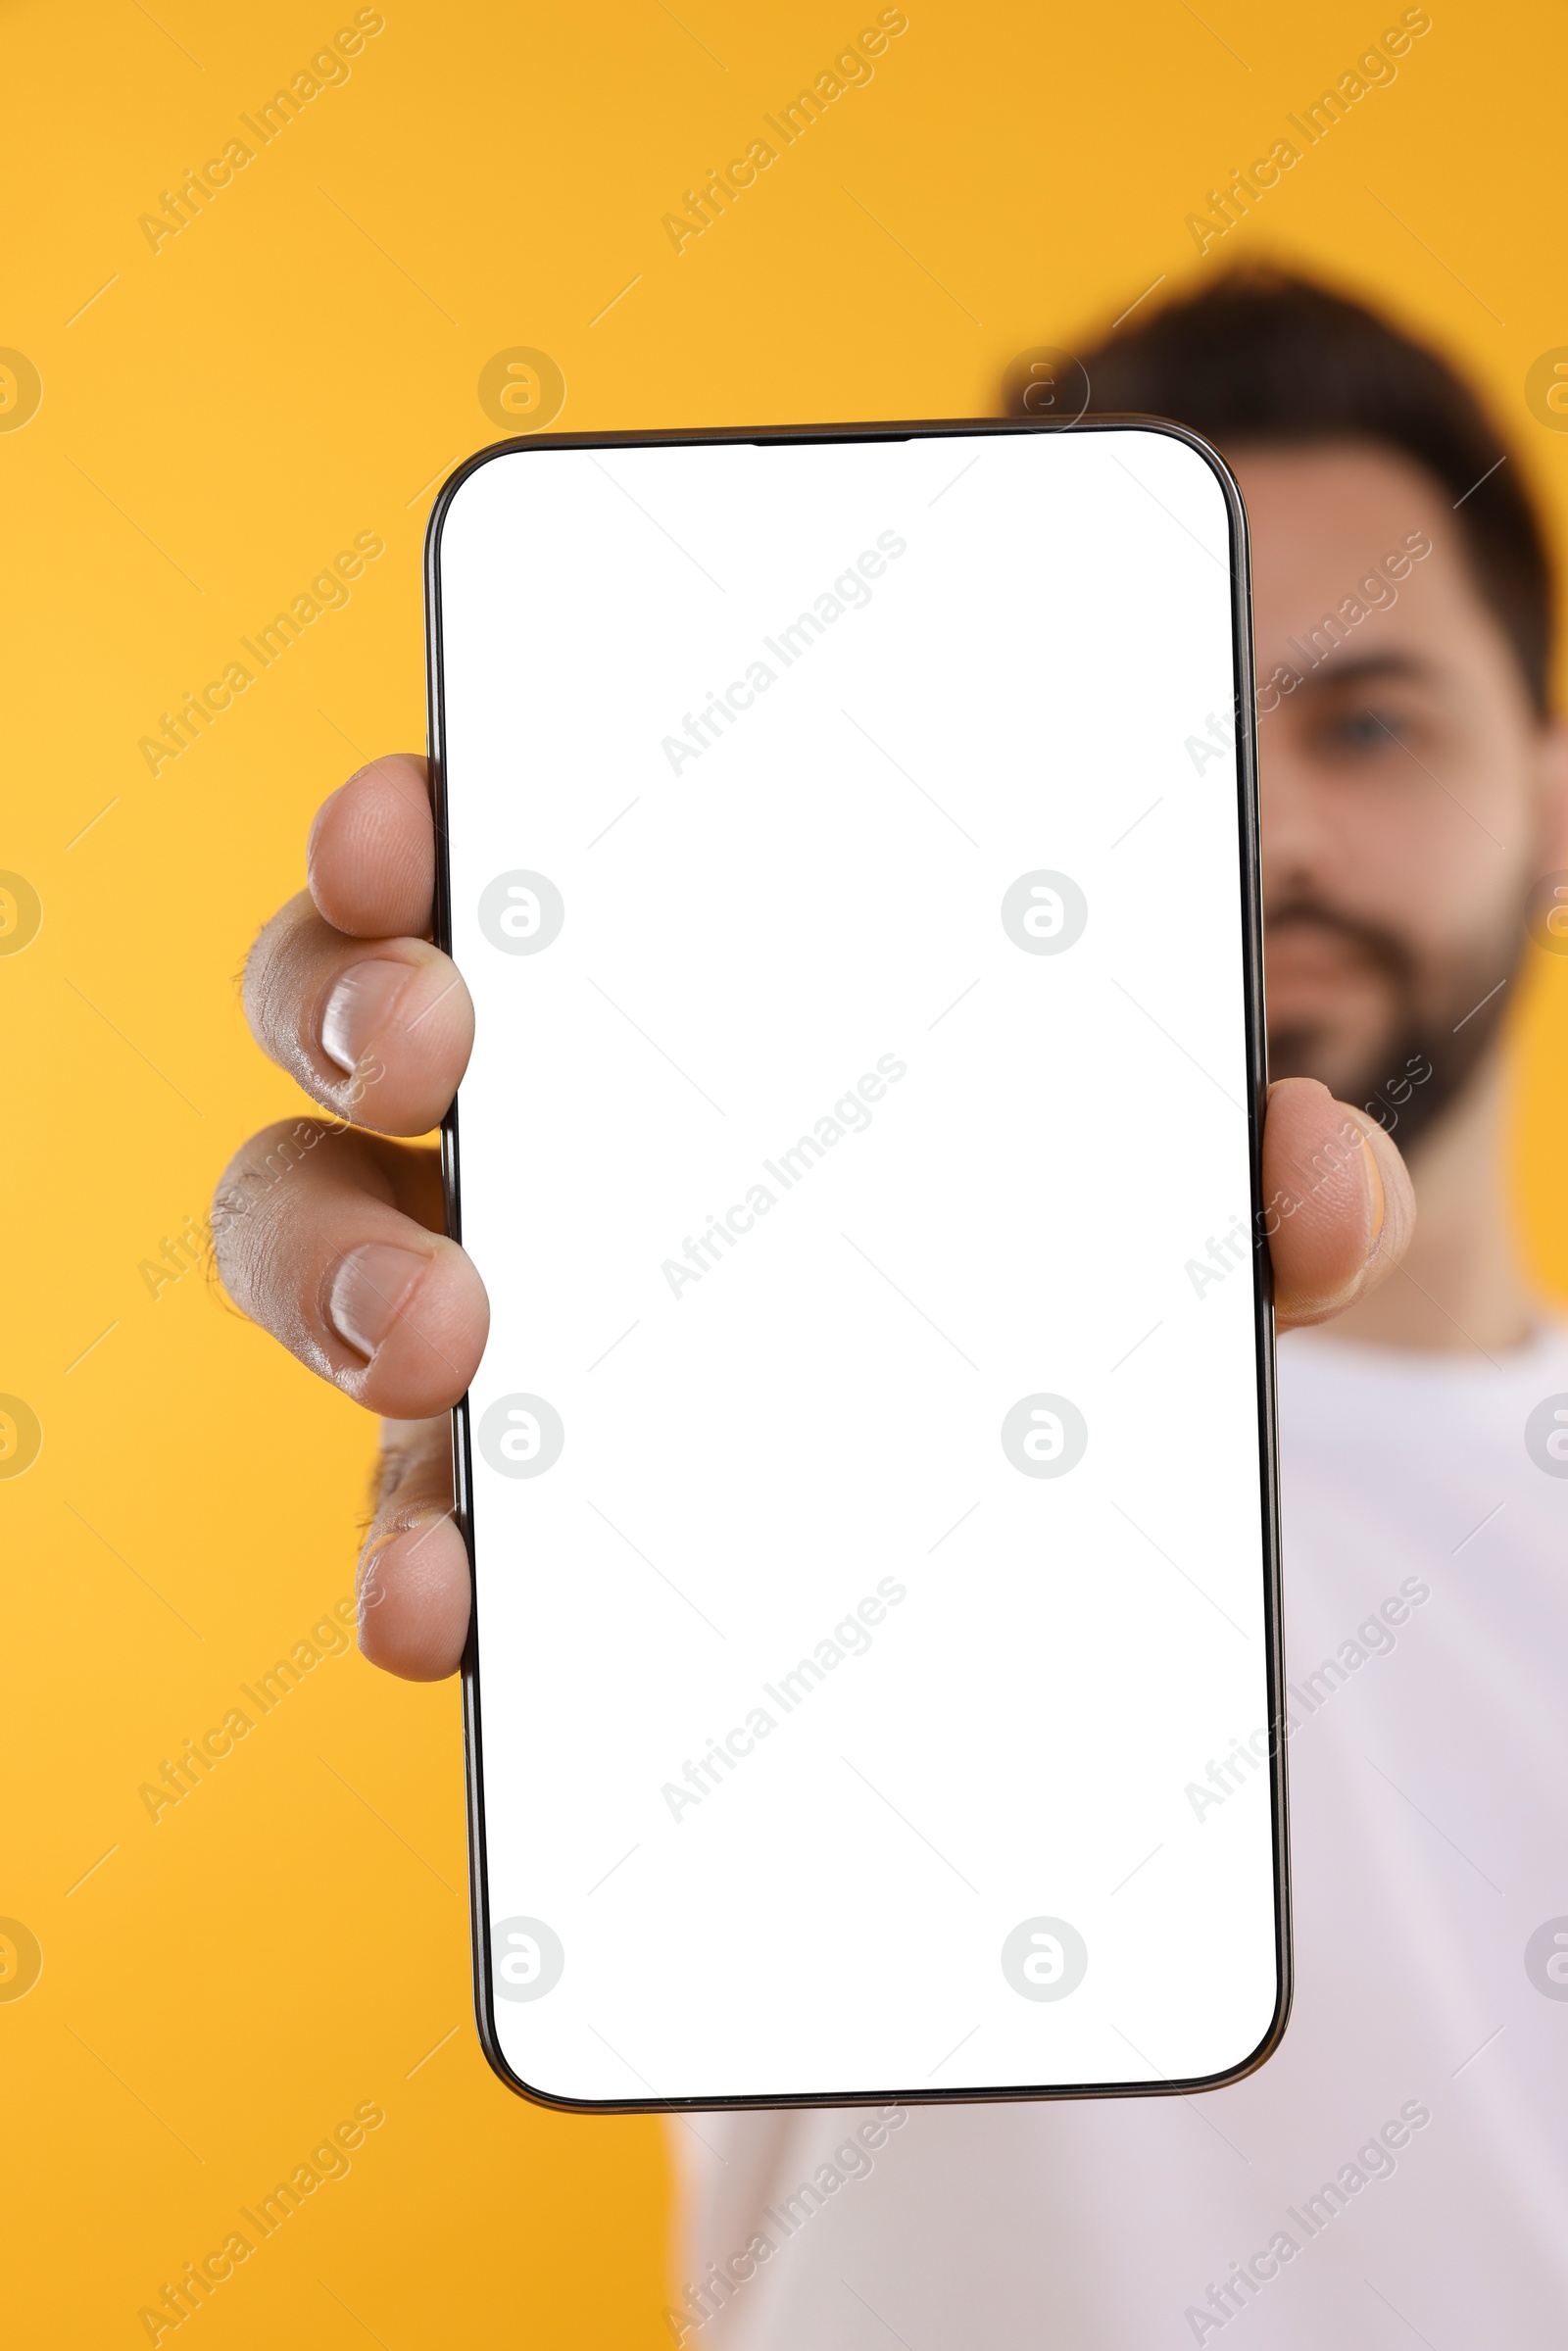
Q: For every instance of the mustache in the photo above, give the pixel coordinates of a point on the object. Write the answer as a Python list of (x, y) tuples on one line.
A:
[(1383, 948)]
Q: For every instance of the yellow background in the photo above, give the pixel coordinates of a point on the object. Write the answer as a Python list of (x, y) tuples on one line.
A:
[(295, 366)]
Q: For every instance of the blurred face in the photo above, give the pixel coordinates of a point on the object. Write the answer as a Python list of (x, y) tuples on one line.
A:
[(1409, 797)]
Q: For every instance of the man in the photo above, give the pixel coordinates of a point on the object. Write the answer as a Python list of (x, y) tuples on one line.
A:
[(1400, 2165)]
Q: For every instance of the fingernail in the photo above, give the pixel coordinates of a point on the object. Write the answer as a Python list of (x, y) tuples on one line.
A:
[(358, 1009), (1379, 1199), (367, 1292)]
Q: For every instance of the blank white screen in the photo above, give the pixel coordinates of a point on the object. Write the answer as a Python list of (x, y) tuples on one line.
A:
[(769, 1429)]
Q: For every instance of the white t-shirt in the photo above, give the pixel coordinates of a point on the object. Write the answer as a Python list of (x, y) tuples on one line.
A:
[(1398, 2171)]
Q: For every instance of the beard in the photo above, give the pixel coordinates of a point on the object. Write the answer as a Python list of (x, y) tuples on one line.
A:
[(1442, 1020)]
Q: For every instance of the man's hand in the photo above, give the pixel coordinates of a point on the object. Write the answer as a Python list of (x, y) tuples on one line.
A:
[(329, 1235)]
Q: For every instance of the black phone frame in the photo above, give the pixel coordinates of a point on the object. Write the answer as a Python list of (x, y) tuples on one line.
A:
[(1245, 716)]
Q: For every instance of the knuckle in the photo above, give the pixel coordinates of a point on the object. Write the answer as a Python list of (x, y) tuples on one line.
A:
[(248, 1206), (271, 957)]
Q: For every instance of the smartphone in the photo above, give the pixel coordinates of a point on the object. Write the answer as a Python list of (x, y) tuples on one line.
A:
[(848, 840)]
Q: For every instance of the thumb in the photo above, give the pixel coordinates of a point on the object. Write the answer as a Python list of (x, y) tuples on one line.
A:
[(1339, 1209)]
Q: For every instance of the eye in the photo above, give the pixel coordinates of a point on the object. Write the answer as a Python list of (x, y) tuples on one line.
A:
[(1362, 731)]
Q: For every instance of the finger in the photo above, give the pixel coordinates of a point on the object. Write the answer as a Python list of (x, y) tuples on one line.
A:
[(1339, 1208), (414, 1570), (327, 1239), (380, 1035), (371, 855)]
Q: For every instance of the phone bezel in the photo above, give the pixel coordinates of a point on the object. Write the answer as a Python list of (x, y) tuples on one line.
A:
[(951, 429)]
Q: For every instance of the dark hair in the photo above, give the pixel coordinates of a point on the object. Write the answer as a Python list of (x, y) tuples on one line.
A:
[(1263, 355)]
